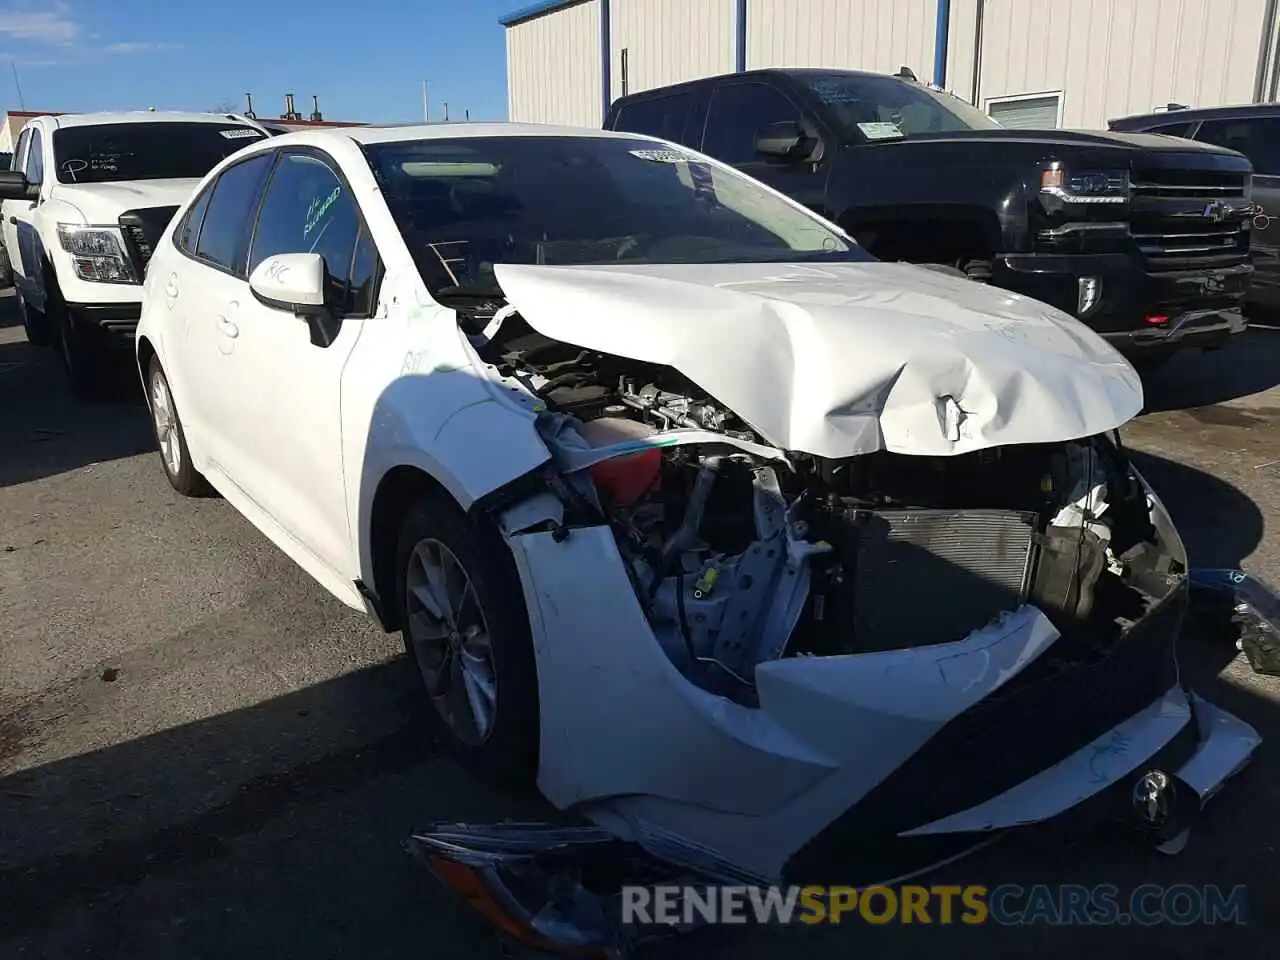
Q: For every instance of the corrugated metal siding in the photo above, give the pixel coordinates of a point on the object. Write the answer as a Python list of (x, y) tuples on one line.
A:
[(1115, 57), (668, 41), (553, 67), (880, 35)]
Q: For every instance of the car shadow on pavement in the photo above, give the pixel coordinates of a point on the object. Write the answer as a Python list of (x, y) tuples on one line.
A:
[(1219, 524), (1249, 364), (274, 830), (44, 431)]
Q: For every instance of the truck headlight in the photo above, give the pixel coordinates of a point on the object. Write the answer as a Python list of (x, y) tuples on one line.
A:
[(1085, 186), (97, 253)]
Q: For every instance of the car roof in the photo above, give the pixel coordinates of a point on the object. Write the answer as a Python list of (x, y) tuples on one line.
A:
[(142, 116), (395, 133), (794, 73), (1197, 114)]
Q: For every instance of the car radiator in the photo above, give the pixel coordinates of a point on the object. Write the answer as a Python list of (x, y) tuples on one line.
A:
[(921, 577)]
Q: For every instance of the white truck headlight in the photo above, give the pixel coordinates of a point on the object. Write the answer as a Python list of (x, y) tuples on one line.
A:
[(98, 253)]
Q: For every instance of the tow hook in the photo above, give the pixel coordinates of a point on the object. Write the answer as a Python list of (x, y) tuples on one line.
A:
[(1163, 809)]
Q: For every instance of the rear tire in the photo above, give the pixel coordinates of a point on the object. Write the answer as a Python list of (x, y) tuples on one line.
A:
[(171, 438), (466, 628)]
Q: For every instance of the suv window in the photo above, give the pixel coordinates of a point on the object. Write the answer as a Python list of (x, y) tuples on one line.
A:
[(737, 112), (1172, 129), (666, 117), (20, 150), (308, 209), (1257, 138), (224, 235), (35, 159)]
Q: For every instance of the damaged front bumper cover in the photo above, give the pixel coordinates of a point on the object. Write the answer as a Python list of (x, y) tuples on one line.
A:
[(558, 888)]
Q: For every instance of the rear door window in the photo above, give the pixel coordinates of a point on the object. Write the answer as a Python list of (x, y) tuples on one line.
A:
[(1173, 129), (35, 158), (665, 117), (224, 234), (1258, 138)]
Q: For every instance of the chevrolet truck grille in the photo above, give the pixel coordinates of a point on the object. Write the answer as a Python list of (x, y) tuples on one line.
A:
[(1188, 218)]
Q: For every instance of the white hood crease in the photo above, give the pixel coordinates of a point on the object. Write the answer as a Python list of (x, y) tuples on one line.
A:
[(843, 359)]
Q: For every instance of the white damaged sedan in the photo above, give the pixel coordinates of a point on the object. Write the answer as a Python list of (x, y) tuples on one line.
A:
[(767, 557)]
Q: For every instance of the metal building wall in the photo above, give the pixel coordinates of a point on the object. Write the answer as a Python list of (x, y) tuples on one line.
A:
[(553, 67), (1108, 58), (667, 41), (880, 35)]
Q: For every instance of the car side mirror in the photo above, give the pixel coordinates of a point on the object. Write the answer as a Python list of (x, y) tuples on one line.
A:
[(296, 283), (14, 186), (784, 140)]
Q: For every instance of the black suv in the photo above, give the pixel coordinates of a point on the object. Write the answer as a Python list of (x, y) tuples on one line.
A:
[(1144, 238), (1253, 130)]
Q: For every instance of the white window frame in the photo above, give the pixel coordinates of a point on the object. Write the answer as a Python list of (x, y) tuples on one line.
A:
[(1014, 98)]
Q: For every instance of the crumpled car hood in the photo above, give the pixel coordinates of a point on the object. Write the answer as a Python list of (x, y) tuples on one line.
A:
[(843, 359)]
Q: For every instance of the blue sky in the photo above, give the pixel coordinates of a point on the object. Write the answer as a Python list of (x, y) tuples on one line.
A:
[(365, 60)]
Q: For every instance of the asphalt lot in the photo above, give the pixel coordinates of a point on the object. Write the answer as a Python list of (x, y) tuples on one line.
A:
[(203, 755)]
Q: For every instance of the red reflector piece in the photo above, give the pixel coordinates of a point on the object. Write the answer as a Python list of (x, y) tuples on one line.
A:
[(627, 479), (1157, 320)]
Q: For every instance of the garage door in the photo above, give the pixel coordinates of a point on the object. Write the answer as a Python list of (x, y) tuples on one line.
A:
[(1032, 113)]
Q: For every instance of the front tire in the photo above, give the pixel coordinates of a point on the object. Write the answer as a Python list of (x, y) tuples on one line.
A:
[(467, 630), (36, 324), (170, 437)]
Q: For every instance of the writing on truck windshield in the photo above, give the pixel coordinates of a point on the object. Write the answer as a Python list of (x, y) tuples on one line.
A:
[(103, 153), (884, 108), (464, 205)]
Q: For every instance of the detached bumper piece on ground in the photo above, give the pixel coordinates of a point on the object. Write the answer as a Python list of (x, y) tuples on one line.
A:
[(1254, 608)]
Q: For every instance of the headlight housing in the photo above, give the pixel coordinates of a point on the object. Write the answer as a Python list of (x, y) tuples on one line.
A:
[(1085, 186), (98, 253)]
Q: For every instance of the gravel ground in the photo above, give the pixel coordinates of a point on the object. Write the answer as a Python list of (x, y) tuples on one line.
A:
[(203, 755)]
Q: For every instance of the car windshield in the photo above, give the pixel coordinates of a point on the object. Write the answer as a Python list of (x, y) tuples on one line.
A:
[(865, 106), (107, 152), (464, 205)]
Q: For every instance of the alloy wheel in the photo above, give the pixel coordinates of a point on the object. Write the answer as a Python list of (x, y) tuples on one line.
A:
[(166, 424), (451, 642)]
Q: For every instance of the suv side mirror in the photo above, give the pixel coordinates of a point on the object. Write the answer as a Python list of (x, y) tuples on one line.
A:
[(14, 186), (296, 283), (784, 140)]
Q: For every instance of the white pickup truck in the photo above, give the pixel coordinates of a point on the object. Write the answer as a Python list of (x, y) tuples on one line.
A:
[(86, 199)]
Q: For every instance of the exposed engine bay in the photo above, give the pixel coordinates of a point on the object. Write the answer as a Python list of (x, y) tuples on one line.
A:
[(740, 558)]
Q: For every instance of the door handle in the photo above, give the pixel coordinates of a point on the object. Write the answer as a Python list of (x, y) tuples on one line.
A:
[(171, 288), (227, 328)]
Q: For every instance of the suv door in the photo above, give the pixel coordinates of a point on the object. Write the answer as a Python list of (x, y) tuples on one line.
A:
[(738, 112), (282, 393), (1258, 138), (9, 211)]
